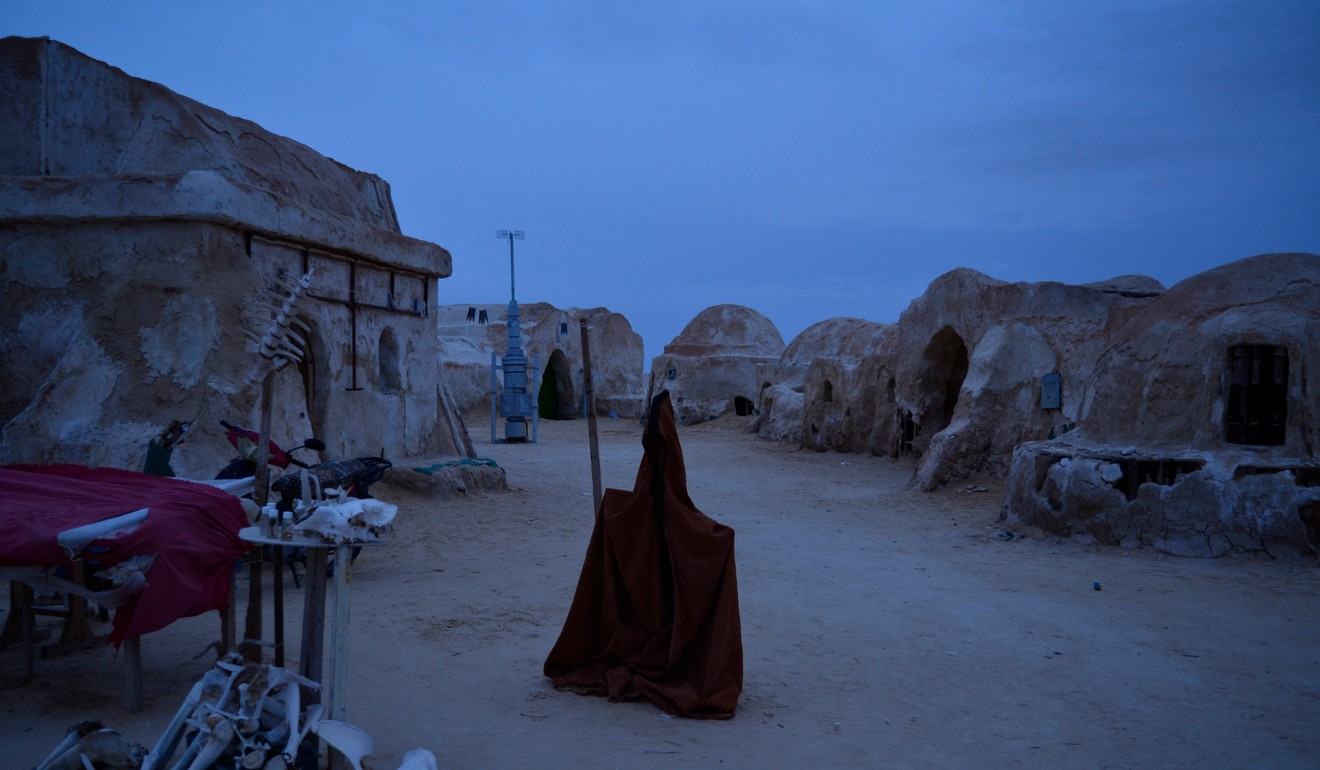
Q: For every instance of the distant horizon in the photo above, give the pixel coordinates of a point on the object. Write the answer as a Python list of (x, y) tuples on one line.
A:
[(805, 161)]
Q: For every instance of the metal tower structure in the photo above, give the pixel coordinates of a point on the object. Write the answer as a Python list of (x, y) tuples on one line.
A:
[(515, 402)]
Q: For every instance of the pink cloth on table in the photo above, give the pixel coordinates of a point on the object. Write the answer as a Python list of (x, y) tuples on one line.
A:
[(192, 528)]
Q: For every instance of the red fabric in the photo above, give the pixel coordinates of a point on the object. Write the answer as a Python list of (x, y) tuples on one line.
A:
[(655, 614), (192, 528)]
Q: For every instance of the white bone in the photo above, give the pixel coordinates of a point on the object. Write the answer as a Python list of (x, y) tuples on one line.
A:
[(169, 740), (348, 740), (221, 736), (350, 520), (70, 738), (418, 759), (291, 749)]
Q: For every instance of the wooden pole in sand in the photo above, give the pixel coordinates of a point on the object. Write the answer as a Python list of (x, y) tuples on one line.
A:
[(591, 417), (252, 628)]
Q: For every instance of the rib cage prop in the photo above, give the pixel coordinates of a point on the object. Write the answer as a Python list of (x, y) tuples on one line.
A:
[(271, 334)]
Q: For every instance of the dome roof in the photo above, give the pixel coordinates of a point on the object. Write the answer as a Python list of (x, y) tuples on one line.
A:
[(850, 338), (728, 330), (1164, 377)]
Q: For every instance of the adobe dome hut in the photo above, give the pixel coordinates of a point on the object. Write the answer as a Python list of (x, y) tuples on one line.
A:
[(137, 225), (828, 389), (470, 333), (710, 368), (956, 384), (972, 357), (1198, 434)]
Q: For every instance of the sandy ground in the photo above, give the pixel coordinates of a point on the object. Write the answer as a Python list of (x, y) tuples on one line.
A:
[(882, 628)]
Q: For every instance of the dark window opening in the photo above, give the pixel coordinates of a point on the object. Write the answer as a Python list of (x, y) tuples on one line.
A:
[(907, 432), (672, 373), (827, 392), (1256, 411), (1043, 464), (743, 407), (563, 328), (1303, 475), (1162, 472)]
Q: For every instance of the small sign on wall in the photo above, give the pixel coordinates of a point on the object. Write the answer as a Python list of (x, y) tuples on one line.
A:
[(1051, 391)]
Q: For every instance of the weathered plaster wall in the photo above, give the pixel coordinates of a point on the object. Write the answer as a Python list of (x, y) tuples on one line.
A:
[(124, 343), (136, 225)]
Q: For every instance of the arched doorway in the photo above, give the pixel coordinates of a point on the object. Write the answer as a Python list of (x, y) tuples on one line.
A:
[(311, 371), (743, 407), (944, 367), (555, 399)]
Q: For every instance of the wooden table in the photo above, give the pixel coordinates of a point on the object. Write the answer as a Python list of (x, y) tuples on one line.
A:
[(76, 633), (312, 662)]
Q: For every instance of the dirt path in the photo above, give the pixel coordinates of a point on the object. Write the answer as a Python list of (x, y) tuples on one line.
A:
[(881, 627)]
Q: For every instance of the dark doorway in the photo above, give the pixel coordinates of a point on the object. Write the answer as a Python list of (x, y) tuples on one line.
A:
[(944, 366), (743, 406), (310, 370), (1257, 408), (555, 398), (907, 433)]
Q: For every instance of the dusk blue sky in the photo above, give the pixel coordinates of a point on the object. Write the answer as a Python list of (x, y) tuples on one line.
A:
[(806, 159)]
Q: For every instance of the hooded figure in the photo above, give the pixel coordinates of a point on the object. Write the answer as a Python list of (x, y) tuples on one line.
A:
[(655, 614)]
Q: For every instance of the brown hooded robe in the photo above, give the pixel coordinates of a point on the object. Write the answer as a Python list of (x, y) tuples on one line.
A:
[(655, 614)]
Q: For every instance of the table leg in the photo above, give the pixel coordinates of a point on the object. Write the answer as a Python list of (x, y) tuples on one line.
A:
[(278, 599), (339, 650), (229, 616), (20, 615), (338, 692), (252, 628), (313, 630), (76, 629), (133, 674)]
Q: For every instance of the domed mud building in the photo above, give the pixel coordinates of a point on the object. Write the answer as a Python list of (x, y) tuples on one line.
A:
[(1198, 431)]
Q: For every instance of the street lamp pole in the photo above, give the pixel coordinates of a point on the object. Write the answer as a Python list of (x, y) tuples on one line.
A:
[(516, 401), (511, 235)]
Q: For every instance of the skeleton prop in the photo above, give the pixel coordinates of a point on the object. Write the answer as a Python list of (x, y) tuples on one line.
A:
[(270, 332), (89, 744), (340, 519), (238, 715)]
